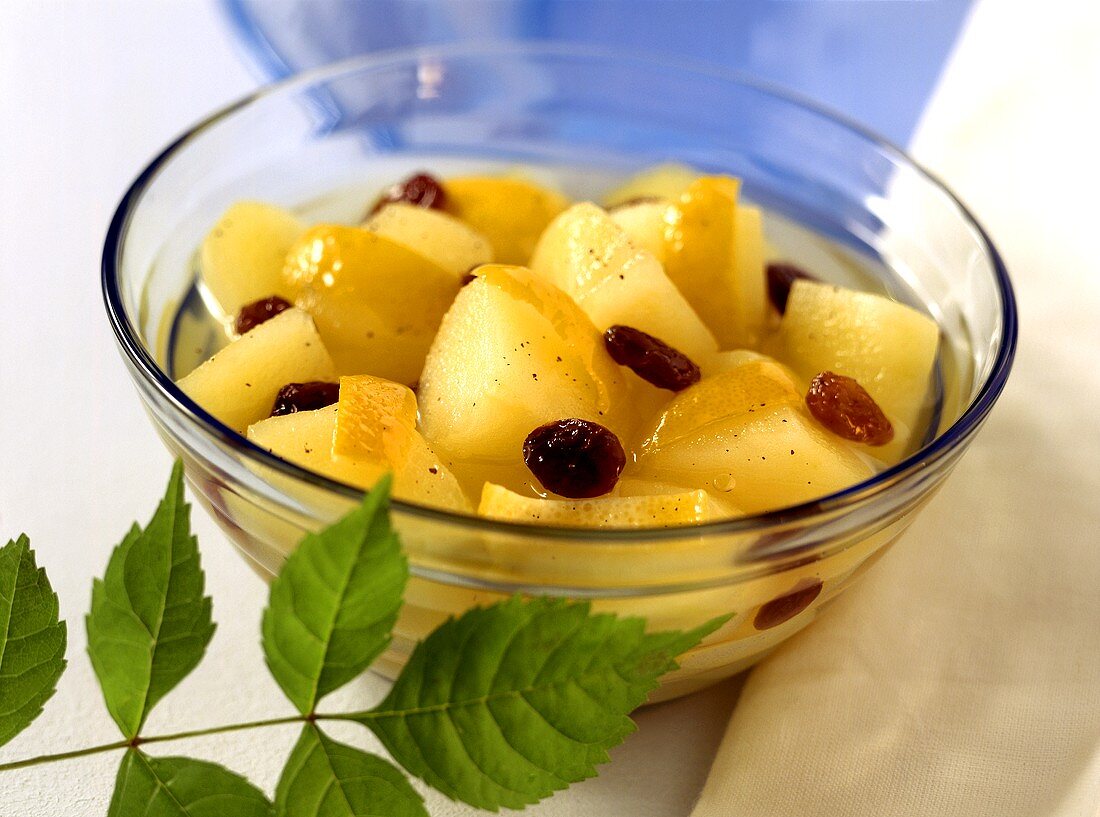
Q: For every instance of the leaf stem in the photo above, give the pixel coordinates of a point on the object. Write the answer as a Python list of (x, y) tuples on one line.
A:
[(218, 730), (358, 717), (141, 741), (35, 761)]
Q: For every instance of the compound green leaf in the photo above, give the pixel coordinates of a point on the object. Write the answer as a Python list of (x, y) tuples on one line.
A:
[(182, 787), (334, 603), (510, 703), (324, 778), (150, 622), (32, 639)]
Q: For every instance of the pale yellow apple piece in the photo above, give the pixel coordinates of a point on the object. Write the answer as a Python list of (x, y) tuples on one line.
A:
[(769, 461), (889, 348), (376, 303), (699, 252), (701, 258), (617, 389), (377, 419), (444, 240), (645, 222), (242, 256), (589, 257), (718, 505), (512, 353), (566, 318), (510, 212), (750, 273), (424, 478), (754, 387), (513, 474), (305, 438), (724, 361), (660, 181), (238, 385), (643, 511)]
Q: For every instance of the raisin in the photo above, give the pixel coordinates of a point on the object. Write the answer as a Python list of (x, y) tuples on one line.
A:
[(781, 276), (295, 397), (650, 358), (845, 408), (784, 608), (468, 278), (420, 190), (257, 312), (574, 458)]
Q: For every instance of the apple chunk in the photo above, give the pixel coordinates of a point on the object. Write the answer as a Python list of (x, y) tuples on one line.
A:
[(305, 438), (444, 240), (510, 212), (514, 352), (377, 303), (715, 256), (642, 511), (311, 439), (239, 384), (242, 256), (749, 273), (645, 223), (590, 257), (724, 361), (718, 505), (889, 348), (753, 387), (768, 461), (660, 181)]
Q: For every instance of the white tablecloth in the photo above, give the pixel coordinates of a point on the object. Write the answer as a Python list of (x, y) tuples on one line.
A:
[(962, 677), (991, 597)]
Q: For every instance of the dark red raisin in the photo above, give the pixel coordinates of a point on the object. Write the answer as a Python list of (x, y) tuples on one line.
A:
[(781, 276), (295, 397), (845, 408), (574, 458), (257, 312), (784, 608), (468, 278), (421, 190), (650, 358)]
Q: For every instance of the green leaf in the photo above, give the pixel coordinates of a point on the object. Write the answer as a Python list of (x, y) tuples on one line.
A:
[(324, 778), (182, 787), (150, 622), (510, 703), (32, 639), (335, 602)]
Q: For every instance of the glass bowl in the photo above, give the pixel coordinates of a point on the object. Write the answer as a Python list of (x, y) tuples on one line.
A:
[(357, 125)]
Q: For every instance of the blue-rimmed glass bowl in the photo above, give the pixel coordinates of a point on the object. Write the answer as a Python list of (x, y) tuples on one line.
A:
[(365, 121)]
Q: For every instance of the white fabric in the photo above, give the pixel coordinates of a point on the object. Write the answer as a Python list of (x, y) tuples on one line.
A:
[(962, 677)]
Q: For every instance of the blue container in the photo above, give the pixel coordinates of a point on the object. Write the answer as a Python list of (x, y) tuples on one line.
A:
[(877, 62)]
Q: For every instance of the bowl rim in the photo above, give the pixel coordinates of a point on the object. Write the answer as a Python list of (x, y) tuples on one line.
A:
[(135, 352)]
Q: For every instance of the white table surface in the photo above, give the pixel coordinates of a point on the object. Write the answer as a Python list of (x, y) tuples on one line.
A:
[(89, 91)]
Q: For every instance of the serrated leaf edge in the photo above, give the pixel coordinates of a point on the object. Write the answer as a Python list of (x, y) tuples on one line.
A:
[(22, 546), (135, 754), (685, 640), (175, 504), (378, 497), (322, 744)]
